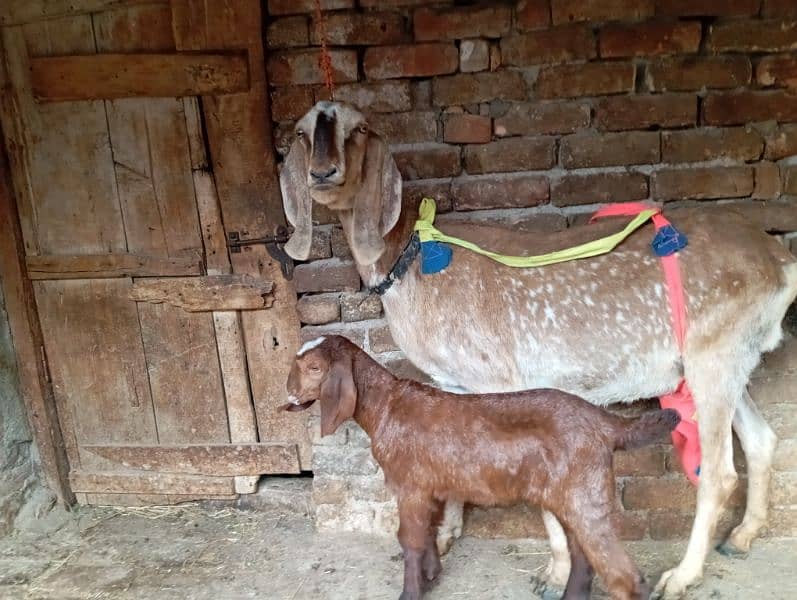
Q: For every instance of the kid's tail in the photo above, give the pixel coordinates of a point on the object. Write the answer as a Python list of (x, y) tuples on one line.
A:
[(647, 429)]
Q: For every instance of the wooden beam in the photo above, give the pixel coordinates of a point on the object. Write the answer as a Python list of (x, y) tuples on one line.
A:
[(224, 460), (147, 499), (109, 76), (149, 483), (28, 344), (212, 292), (102, 266), (17, 12)]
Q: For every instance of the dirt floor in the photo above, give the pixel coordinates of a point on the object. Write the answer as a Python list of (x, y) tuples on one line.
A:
[(193, 552)]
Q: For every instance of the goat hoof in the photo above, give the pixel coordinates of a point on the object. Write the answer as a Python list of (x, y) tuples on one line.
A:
[(545, 590), (731, 551)]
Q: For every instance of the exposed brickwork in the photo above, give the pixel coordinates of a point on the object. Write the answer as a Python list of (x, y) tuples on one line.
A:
[(650, 39), (524, 113)]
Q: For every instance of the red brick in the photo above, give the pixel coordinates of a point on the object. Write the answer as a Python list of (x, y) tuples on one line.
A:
[(609, 149), (287, 32), (511, 154), (467, 129), (461, 22), (500, 191), (684, 73), (643, 461), (515, 522), (352, 29), (292, 7), (359, 307), (695, 145), (478, 87), (406, 127), (290, 103), (641, 112), (779, 8), (318, 309), (560, 44), (433, 160), (329, 275), (340, 246), (781, 142), (297, 67), (731, 108), (320, 243), (565, 11), (631, 524), (532, 14), (439, 190), (418, 60), (474, 55), (382, 340), (707, 8), (658, 492), (404, 369), (650, 39), (767, 181), (543, 118), (391, 3), (702, 183), (382, 96), (598, 187), (676, 524), (746, 35), (590, 79), (780, 71)]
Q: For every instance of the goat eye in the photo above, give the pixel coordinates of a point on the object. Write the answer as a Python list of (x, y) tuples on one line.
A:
[(299, 133), (315, 368), (362, 128)]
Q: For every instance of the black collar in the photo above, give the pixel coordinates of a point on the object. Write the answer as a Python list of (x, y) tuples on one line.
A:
[(401, 266)]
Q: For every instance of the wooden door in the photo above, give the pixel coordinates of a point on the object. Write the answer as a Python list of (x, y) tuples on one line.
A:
[(165, 391)]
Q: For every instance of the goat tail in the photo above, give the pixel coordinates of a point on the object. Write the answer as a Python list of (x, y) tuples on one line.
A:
[(647, 429)]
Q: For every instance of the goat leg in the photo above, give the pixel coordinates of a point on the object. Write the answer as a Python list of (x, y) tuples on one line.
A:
[(579, 584), (415, 520), (413, 579)]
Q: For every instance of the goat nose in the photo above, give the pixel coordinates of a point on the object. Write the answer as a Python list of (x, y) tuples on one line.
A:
[(323, 175)]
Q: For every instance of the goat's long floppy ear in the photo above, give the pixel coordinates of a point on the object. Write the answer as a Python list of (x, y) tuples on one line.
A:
[(377, 204), (338, 396), (297, 202)]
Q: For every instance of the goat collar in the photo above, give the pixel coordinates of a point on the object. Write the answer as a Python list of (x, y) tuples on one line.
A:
[(401, 266)]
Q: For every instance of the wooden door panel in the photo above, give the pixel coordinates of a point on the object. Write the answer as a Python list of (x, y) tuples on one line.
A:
[(184, 375), (96, 358)]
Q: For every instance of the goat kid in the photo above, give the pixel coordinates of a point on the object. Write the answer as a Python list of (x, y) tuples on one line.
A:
[(544, 447)]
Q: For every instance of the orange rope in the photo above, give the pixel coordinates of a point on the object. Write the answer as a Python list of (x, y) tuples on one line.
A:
[(324, 60)]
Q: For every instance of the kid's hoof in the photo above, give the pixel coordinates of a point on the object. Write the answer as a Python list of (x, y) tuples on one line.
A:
[(731, 551), (545, 590)]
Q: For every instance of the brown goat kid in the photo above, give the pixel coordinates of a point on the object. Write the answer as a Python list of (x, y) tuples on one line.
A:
[(544, 447)]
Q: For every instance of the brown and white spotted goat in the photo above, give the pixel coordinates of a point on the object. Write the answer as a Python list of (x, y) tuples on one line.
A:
[(598, 328), (543, 447)]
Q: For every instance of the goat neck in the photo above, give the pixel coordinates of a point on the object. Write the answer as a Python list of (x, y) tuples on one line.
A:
[(375, 385), (395, 242)]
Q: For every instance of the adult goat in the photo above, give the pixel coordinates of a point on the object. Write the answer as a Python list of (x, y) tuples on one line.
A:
[(597, 328)]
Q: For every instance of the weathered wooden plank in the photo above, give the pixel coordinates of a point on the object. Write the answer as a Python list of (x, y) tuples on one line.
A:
[(108, 76), (96, 357), (202, 294), (217, 257), (210, 459), (149, 483), (75, 202), (244, 165), (17, 12), (150, 145), (27, 337), (141, 500), (196, 139), (184, 375), (102, 266)]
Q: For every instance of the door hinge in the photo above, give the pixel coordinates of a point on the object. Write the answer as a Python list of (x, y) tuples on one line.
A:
[(274, 246), (45, 364)]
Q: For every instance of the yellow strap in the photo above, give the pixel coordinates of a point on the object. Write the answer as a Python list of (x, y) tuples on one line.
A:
[(427, 232)]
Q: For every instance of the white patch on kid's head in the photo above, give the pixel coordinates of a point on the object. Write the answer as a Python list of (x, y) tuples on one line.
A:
[(310, 345)]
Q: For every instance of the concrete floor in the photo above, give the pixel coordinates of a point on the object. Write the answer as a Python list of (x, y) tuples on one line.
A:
[(198, 553)]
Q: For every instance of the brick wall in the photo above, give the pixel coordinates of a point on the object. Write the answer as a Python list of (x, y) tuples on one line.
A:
[(531, 113)]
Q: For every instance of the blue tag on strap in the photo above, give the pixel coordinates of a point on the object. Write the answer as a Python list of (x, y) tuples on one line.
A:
[(668, 240), (435, 256)]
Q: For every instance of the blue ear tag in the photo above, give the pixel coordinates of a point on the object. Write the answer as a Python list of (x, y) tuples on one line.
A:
[(668, 240), (435, 256)]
